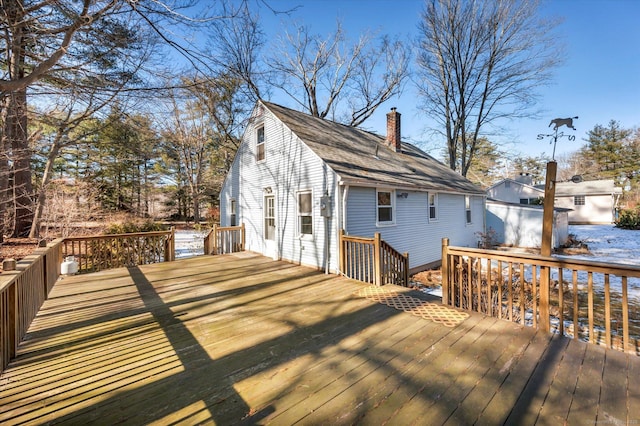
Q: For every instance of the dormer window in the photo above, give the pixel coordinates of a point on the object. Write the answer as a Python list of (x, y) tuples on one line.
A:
[(260, 153)]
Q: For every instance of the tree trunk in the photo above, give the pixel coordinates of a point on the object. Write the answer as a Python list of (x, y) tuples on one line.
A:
[(16, 130), (4, 167), (15, 124)]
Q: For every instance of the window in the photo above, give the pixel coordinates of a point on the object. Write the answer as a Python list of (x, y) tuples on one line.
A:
[(260, 143), (385, 207), (467, 208), (524, 201), (433, 206), (578, 200), (305, 217), (232, 213), (270, 217)]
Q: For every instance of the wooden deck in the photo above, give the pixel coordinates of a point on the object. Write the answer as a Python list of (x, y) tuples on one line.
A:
[(241, 339)]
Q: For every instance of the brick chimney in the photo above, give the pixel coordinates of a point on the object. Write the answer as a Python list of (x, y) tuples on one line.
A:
[(393, 130)]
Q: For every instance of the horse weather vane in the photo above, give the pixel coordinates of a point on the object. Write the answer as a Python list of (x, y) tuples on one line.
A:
[(558, 122)]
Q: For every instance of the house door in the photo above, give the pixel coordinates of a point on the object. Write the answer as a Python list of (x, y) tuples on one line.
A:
[(270, 240)]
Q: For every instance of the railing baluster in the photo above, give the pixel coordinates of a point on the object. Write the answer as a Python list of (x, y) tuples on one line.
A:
[(510, 290), (607, 310), (522, 307), (501, 277), (534, 291), (479, 284), (592, 337), (626, 343), (561, 301), (576, 308), (489, 284)]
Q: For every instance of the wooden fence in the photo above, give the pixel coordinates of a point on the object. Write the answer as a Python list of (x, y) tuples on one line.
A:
[(96, 253), (22, 293), (372, 260), (581, 299), (227, 239)]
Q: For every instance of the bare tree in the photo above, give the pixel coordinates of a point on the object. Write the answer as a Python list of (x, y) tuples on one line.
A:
[(50, 43), (324, 75), (479, 63), (188, 145)]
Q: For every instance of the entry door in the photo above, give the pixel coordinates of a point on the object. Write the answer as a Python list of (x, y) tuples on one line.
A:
[(270, 237)]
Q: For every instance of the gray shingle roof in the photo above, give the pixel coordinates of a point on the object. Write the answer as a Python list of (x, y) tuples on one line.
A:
[(363, 158), (587, 187)]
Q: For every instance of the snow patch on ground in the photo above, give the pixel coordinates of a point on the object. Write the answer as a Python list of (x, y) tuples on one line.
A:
[(190, 243), (612, 245), (608, 243)]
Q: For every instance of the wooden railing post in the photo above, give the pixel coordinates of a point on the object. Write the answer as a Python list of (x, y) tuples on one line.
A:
[(243, 235), (342, 253), (214, 243), (14, 319), (406, 269), (445, 271), (377, 259)]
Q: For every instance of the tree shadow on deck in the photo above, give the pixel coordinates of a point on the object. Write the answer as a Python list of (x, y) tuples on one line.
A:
[(194, 386), (205, 388)]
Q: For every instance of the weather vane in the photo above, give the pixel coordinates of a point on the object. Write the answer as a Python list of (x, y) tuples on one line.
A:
[(558, 122)]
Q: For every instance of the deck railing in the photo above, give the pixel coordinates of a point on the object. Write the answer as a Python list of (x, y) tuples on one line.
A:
[(372, 260), (581, 299), (23, 290), (96, 253), (224, 239), (22, 293)]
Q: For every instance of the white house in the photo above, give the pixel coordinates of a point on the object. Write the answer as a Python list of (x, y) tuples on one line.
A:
[(592, 202), (297, 180), (518, 191)]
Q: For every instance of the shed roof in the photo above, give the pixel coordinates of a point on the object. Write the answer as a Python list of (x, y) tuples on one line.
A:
[(363, 158), (588, 187)]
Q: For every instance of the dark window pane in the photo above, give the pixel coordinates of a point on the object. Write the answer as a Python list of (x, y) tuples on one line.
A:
[(385, 214), (384, 198), (306, 225), (304, 203)]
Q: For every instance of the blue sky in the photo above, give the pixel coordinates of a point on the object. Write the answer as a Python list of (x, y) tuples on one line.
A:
[(598, 81)]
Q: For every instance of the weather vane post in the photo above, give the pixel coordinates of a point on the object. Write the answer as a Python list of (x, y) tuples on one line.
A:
[(558, 122), (547, 215)]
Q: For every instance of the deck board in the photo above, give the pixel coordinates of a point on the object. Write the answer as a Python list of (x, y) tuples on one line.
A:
[(243, 339)]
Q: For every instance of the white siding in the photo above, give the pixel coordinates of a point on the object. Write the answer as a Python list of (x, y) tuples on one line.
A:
[(413, 232), (521, 226), (289, 167), (514, 192), (597, 209)]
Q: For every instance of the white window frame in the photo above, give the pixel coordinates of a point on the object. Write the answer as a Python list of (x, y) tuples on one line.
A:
[(579, 200), (434, 206), (391, 206), (261, 148), (467, 210), (302, 214), (233, 212)]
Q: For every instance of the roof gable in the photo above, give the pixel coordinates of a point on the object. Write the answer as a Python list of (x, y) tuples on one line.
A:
[(363, 158)]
